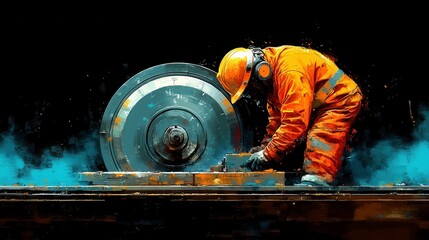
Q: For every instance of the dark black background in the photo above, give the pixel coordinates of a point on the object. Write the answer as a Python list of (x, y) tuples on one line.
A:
[(62, 64)]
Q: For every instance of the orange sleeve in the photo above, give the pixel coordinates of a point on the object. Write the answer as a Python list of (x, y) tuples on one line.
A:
[(273, 123), (295, 96)]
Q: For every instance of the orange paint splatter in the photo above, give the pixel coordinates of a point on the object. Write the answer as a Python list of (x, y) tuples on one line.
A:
[(118, 175), (126, 103), (227, 105), (117, 120)]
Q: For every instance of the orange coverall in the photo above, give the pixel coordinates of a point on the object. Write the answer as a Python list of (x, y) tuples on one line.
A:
[(299, 75)]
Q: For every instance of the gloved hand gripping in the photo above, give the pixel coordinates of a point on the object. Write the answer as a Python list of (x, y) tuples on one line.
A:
[(258, 162)]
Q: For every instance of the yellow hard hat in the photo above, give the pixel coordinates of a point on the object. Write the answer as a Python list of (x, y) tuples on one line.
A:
[(235, 70)]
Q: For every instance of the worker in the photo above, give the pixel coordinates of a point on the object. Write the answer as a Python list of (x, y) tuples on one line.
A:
[(309, 100)]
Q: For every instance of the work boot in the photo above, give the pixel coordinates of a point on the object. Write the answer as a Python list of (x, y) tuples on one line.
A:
[(311, 180)]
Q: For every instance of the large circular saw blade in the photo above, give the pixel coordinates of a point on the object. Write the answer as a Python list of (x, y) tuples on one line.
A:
[(171, 117)]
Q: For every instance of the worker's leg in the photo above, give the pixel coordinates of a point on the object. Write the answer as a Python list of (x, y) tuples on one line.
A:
[(328, 136)]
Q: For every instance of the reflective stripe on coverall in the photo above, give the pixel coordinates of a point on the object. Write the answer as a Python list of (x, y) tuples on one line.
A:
[(298, 74)]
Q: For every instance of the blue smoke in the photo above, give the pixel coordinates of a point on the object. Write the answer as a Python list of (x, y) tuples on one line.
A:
[(394, 162), (54, 170)]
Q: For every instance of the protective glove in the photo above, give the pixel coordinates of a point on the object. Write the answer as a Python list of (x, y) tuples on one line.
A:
[(257, 162)]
